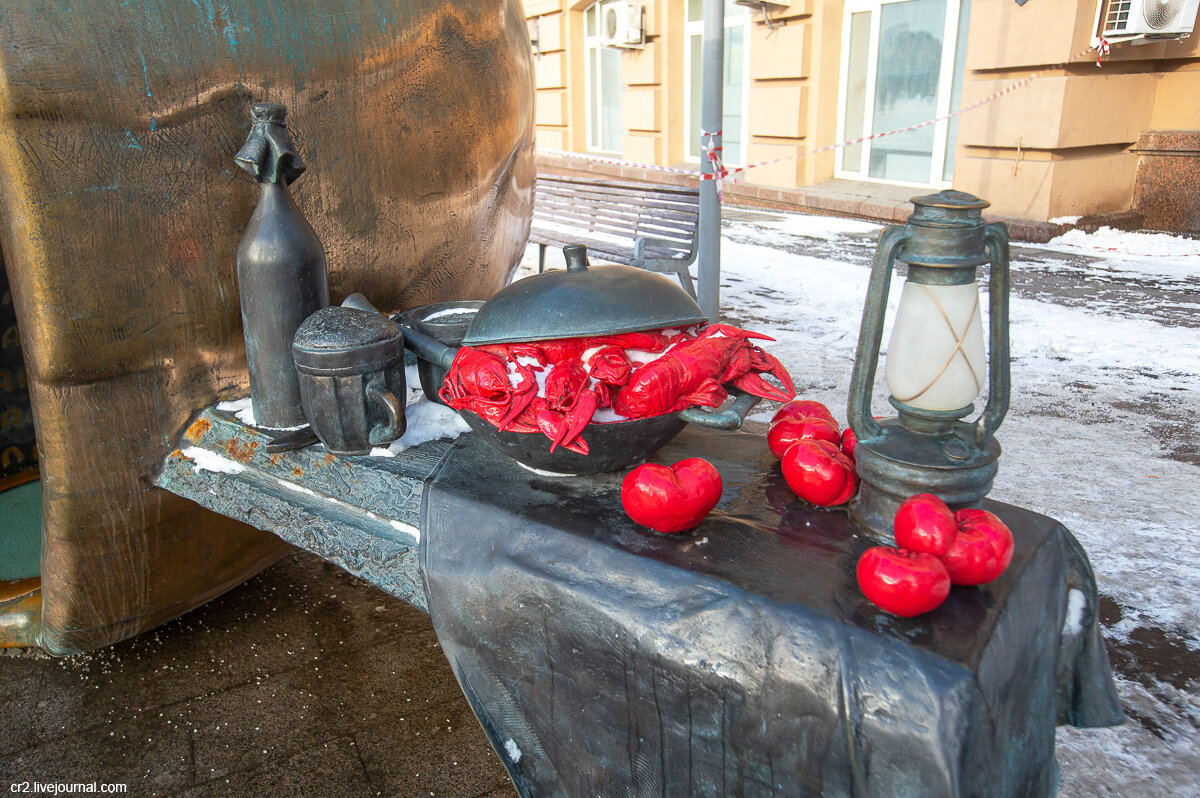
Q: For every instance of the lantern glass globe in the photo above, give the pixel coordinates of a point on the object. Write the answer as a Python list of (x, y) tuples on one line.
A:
[(936, 359)]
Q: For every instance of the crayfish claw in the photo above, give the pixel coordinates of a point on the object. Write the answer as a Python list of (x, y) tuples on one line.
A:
[(771, 364), (574, 422), (729, 331), (519, 404), (752, 383)]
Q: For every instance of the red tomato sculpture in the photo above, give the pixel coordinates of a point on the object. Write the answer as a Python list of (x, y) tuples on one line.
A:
[(801, 409), (819, 473), (787, 431), (849, 441), (982, 548), (925, 523), (671, 498), (902, 582)]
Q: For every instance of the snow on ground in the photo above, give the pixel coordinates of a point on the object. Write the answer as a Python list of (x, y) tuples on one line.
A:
[(1170, 256), (1101, 434)]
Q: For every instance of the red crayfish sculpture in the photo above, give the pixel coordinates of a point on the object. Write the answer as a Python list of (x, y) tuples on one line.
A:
[(557, 387)]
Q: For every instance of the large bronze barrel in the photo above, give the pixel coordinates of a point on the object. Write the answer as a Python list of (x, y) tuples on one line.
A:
[(120, 214)]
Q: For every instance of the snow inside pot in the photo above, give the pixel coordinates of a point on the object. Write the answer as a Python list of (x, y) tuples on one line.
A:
[(443, 321)]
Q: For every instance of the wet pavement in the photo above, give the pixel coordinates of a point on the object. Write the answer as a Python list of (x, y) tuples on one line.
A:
[(305, 681)]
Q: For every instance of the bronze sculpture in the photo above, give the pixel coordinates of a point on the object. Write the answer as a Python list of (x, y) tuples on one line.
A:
[(120, 214)]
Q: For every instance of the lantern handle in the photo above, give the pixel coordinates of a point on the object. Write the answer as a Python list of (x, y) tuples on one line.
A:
[(866, 358), (999, 381)]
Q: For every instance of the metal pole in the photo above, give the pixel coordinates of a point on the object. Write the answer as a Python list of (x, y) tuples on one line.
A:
[(711, 113)]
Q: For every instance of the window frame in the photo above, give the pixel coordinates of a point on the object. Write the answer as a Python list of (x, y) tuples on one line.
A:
[(946, 76), (593, 48)]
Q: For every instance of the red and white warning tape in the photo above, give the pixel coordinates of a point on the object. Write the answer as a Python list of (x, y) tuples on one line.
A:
[(712, 151)]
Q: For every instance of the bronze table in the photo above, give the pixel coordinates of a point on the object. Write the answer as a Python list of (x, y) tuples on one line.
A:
[(739, 658)]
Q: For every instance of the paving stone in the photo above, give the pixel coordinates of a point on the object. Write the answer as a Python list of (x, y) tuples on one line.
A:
[(347, 613), (257, 628), (149, 754), (302, 706), (295, 662), (435, 750), (18, 700), (329, 770)]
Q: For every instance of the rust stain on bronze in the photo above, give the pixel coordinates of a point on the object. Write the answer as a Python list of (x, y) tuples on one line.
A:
[(197, 430), (242, 452), (329, 458), (179, 453), (296, 472), (276, 457)]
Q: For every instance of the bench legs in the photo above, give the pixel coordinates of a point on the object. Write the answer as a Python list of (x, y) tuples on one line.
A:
[(685, 279), (541, 258), (682, 271)]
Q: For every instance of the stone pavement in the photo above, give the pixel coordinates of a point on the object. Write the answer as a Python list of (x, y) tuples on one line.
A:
[(303, 681)]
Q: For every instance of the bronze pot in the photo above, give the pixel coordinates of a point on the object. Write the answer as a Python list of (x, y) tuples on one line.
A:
[(581, 302)]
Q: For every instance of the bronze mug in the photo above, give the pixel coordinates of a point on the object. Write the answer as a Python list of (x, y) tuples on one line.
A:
[(351, 368)]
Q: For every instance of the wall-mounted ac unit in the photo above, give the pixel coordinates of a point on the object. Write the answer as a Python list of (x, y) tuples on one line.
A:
[(1148, 20), (622, 25)]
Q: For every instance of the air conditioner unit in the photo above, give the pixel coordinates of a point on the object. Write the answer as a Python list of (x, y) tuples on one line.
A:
[(1148, 20), (622, 25)]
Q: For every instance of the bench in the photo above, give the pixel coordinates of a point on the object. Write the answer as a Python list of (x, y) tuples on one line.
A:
[(651, 226)]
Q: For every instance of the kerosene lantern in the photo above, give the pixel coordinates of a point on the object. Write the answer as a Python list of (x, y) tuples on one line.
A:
[(936, 366)]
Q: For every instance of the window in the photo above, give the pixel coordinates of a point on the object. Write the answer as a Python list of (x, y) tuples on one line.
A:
[(605, 128), (902, 64), (734, 95)]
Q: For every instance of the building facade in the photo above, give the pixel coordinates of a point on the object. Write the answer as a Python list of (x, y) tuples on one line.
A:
[(1076, 140)]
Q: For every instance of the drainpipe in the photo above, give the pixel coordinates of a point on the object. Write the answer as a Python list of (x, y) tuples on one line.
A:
[(711, 112)]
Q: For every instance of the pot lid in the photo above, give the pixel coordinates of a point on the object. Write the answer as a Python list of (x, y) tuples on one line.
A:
[(346, 340), (582, 301)]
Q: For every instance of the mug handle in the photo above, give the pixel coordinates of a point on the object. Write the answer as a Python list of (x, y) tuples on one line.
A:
[(394, 427)]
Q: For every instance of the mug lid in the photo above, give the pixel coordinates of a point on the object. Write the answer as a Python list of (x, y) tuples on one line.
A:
[(346, 341)]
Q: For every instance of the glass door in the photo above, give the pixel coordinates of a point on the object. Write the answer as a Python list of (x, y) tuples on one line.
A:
[(734, 95), (605, 126), (902, 64)]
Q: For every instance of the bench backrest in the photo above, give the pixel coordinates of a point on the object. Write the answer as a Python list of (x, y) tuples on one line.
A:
[(619, 209)]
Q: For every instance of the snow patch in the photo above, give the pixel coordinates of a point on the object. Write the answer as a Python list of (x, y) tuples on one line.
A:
[(211, 461), (1076, 603), (243, 410), (292, 486), (1162, 254), (407, 529), (510, 748), (606, 415), (427, 421), (463, 313)]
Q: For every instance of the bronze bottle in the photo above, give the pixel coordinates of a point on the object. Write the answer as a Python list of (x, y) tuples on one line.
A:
[(281, 270)]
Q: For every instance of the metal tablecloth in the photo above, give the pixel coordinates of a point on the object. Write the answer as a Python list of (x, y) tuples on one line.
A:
[(741, 658)]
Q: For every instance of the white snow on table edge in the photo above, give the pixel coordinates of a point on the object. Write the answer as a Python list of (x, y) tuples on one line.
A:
[(211, 461), (243, 410)]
